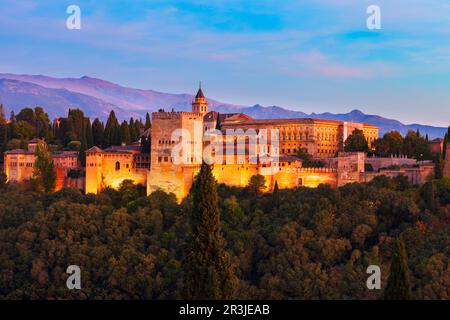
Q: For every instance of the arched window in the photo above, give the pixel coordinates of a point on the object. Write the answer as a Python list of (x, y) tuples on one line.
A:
[(117, 165)]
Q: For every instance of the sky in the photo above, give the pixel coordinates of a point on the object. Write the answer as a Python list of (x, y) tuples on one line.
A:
[(311, 56)]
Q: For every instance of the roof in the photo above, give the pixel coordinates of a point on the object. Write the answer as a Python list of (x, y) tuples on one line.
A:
[(123, 148), (212, 116), (199, 94), (18, 151), (63, 154), (94, 149)]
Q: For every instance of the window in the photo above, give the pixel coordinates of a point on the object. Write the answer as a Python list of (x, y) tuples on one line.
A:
[(117, 165)]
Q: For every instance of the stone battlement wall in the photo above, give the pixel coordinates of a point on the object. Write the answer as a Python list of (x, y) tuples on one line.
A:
[(378, 163), (175, 115)]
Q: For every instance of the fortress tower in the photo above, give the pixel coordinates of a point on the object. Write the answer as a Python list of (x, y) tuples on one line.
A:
[(200, 105)]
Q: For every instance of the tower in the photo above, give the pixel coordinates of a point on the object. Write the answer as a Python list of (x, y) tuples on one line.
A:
[(200, 105)]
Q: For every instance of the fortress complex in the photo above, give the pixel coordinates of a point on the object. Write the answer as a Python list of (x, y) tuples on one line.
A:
[(242, 146), (237, 145)]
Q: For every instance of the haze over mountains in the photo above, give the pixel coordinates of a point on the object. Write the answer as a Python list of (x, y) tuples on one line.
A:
[(98, 97)]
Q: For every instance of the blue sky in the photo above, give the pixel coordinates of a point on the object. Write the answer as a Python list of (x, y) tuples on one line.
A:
[(313, 56)]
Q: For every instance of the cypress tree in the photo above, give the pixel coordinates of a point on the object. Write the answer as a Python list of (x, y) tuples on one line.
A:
[(112, 131), (133, 136), (438, 166), (208, 270), (276, 196), (218, 124), (398, 286), (125, 133), (430, 195), (97, 132), (89, 134), (148, 123)]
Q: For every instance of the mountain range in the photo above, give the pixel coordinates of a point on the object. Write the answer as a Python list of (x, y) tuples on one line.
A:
[(98, 97)]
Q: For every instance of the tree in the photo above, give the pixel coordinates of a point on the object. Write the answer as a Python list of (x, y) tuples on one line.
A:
[(276, 195), (218, 124), (89, 134), (13, 144), (125, 133), (74, 145), (398, 285), (356, 142), (23, 130), (145, 144), (148, 123), (429, 190), (438, 166), (209, 273), (133, 136), (44, 174), (257, 184), (2, 114), (390, 144), (112, 131), (97, 132), (3, 179), (415, 146)]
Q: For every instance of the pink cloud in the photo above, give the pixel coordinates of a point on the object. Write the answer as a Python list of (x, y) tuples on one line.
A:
[(316, 63)]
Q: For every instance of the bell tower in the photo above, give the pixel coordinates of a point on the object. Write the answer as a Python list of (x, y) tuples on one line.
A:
[(200, 105)]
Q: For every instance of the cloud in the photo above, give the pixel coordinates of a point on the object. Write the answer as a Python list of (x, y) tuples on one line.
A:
[(316, 63)]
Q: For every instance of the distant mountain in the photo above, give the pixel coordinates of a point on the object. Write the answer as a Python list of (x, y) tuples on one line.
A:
[(130, 99), (98, 97), (384, 124)]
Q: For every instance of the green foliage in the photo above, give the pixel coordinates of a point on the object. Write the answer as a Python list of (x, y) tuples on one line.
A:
[(390, 144), (3, 179), (125, 133), (356, 142), (148, 123), (14, 144), (44, 175), (398, 285), (97, 133), (209, 273), (74, 145), (256, 185), (112, 131), (316, 245), (23, 130), (415, 146), (276, 196)]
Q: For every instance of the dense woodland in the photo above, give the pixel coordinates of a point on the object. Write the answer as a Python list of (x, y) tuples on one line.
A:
[(291, 244)]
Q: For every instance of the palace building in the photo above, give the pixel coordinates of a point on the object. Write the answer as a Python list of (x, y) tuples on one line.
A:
[(19, 165), (277, 162)]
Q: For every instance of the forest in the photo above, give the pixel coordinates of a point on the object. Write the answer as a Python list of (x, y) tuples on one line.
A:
[(290, 244)]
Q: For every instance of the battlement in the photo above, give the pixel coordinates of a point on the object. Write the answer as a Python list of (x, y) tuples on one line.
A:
[(318, 170), (175, 115)]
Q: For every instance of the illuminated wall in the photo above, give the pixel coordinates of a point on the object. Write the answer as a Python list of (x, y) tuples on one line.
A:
[(105, 169)]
